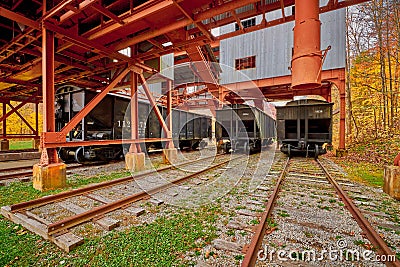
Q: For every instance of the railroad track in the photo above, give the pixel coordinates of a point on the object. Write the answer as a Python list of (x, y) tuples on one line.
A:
[(23, 172), (308, 173), (97, 201), (26, 171)]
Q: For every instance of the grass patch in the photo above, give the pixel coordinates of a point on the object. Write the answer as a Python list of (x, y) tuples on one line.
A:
[(283, 213), (19, 192), (161, 243), (364, 172), (20, 144)]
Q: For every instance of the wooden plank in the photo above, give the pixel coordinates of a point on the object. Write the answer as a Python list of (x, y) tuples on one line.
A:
[(135, 211), (28, 223), (68, 241)]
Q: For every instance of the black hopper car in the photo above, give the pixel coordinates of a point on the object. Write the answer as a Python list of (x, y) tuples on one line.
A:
[(107, 121), (304, 126), (243, 128)]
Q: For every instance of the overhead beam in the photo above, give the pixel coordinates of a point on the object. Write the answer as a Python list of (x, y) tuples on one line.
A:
[(82, 6), (19, 18), (147, 9), (88, 107), (56, 9), (151, 34), (198, 24), (108, 13), (19, 82)]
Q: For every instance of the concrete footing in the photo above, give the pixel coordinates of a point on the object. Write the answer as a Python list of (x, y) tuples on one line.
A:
[(49, 177), (170, 155), (134, 161), (391, 184), (4, 145)]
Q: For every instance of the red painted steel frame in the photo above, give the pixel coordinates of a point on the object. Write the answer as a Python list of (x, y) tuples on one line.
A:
[(49, 155)]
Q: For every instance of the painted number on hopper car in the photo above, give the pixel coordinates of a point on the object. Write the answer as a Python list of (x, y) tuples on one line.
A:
[(124, 124)]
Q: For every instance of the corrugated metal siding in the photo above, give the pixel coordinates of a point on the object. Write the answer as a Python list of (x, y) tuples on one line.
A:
[(273, 49), (167, 65)]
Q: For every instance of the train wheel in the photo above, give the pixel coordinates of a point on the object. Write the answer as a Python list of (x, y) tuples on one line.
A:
[(316, 151), (288, 151), (246, 148), (79, 157)]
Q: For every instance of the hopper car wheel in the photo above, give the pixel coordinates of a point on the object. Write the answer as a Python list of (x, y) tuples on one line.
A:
[(288, 150), (316, 152), (79, 157), (246, 148)]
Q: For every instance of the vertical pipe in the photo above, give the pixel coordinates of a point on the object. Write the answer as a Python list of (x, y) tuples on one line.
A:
[(307, 55), (48, 91), (169, 113)]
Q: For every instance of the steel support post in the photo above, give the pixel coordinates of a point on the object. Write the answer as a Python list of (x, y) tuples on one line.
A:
[(134, 148), (170, 153), (49, 173), (49, 155), (134, 159), (170, 144)]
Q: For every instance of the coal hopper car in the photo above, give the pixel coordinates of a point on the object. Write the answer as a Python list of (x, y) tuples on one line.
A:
[(305, 127), (108, 121), (243, 128)]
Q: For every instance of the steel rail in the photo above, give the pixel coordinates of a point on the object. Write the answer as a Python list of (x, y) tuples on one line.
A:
[(22, 174), (369, 231), (252, 252), (101, 210), (56, 197)]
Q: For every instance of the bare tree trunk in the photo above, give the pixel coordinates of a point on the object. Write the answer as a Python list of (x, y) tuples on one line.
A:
[(349, 108)]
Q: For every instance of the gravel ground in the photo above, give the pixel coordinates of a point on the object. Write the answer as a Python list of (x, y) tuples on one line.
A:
[(308, 214)]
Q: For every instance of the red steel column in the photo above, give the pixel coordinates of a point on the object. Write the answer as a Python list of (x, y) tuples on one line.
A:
[(134, 148), (170, 144), (307, 55), (49, 124)]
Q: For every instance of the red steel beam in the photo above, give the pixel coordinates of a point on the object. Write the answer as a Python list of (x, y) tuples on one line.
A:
[(134, 104), (147, 9), (56, 9), (153, 105), (49, 156), (19, 18), (19, 82), (108, 13), (81, 114), (56, 144), (82, 6), (151, 34)]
